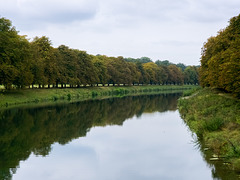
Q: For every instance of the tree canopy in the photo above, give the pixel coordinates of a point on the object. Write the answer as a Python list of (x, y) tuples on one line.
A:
[(220, 61)]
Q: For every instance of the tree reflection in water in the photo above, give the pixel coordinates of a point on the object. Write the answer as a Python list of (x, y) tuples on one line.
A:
[(33, 130)]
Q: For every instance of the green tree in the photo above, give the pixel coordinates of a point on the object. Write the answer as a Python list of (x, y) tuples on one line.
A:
[(44, 68), (144, 77), (87, 71), (220, 61), (182, 66), (25, 76), (68, 66), (138, 60), (135, 74), (191, 75), (163, 63), (175, 75), (101, 69), (151, 69), (15, 57), (118, 70)]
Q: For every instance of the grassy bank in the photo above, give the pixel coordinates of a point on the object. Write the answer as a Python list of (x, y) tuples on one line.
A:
[(215, 118), (17, 97)]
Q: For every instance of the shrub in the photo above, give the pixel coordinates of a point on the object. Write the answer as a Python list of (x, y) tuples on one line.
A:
[(94, 94), (69, 96), (213, 124)]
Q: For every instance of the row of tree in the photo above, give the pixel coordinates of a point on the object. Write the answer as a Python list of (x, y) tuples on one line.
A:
[(220, 62), (24, 63)]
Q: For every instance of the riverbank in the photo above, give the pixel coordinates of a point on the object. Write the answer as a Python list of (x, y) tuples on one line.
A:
[(26, 96), (215, 118)]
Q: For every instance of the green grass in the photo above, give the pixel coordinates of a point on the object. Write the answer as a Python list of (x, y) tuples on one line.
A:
[(26, 96), (215, 117), (190, 92)]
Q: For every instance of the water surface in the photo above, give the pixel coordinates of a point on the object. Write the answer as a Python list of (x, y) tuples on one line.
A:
[(139, 137)]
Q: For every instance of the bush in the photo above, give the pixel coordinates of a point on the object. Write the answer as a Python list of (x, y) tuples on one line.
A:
[(55, 98), (69, 96), (94, 94), (213, 124)]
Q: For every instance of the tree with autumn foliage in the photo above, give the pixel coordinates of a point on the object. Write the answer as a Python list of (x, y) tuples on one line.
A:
[(175, 75), (220, 61)]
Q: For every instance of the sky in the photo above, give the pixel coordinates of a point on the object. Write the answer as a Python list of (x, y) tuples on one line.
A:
[(173, 30)]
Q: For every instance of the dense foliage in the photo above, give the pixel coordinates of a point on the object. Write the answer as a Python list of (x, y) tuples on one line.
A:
[(220, 62), (24, 63)]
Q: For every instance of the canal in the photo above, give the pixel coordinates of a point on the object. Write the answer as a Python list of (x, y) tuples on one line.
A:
[(137, 137)]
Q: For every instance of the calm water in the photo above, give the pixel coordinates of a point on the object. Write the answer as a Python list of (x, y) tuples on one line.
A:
[(141, 137)]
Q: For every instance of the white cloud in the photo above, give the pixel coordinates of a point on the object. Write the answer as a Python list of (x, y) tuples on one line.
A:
[(35, 14), (160, 29)]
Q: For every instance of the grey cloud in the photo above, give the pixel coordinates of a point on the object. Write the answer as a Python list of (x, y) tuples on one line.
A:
[(160, 10), (29, 14), (211, 11), (204, 11), (66, 16)]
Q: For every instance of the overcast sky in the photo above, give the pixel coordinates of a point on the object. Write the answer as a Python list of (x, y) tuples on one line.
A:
[(173, 30)]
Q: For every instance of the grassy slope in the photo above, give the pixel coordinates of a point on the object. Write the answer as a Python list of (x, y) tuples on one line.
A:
[(16, 97), (215, 118)]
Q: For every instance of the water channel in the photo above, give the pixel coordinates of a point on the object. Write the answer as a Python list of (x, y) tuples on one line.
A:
[(137, 137)]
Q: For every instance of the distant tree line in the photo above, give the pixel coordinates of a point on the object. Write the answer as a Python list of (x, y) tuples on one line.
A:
[(29, 63), (220, 62)]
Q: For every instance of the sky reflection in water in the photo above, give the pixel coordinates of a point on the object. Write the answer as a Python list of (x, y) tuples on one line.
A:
[(153, 146)]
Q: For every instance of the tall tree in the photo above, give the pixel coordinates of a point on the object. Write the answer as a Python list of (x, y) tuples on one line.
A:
[(68, 66), (163, 63), (134, 73), (220, 61), (151, 69), (175, 75), (45, 62), (191, 75), (144, 76), (101, 69), (15, 57), (87, 70)]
